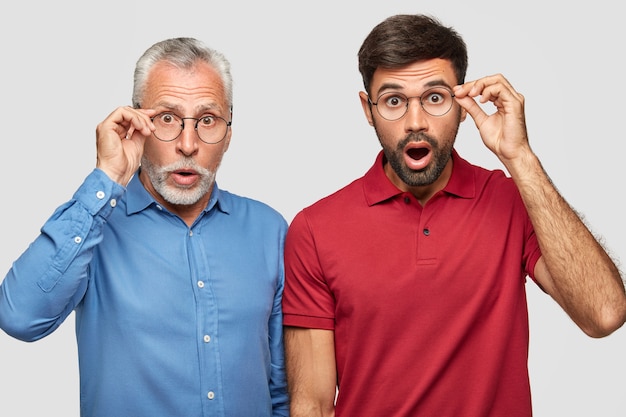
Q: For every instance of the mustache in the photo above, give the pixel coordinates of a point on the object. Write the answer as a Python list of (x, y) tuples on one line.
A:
[(417, 137), (185, 163)]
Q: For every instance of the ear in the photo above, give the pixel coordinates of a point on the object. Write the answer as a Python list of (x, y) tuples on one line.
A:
[(227, 139), (229, 134), (463, 114), (367, 108)]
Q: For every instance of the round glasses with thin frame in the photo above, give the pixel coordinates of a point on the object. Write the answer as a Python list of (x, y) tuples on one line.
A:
[(210, 129), (436, 101)]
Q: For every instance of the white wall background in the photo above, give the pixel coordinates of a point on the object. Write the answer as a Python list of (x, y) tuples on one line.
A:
[(299, 134)]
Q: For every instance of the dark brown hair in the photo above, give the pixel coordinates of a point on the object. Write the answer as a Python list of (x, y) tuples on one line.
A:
[(402, 39)]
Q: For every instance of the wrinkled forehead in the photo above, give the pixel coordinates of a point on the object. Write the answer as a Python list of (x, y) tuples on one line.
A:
[(414, 77), (196, 88)]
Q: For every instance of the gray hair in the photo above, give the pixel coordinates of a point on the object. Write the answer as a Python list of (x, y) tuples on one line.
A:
[(182, 53)]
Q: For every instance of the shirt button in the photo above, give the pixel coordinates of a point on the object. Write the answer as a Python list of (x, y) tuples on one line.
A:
[(200, 284), (78, 239), (207, 338), (113, 202), (407, 200), (426, 232), (100, 195), (210, 395)]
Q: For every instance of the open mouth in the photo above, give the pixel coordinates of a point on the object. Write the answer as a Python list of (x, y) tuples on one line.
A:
[(184, 178), (417, 153)]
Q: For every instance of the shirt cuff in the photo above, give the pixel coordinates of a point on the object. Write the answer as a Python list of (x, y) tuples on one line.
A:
[(99, 194)]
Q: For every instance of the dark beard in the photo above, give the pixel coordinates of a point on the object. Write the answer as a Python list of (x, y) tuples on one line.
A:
[(441, 153), (426, 176)]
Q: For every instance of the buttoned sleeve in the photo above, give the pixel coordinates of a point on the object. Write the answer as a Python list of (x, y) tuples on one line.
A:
[(48, 280)]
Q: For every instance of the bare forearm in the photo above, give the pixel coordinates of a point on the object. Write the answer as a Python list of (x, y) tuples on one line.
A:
[(311, 374), (574, 268), (580, 274)]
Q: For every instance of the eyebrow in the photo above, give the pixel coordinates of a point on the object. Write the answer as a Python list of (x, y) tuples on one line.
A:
[(211, 108), (396, 86)]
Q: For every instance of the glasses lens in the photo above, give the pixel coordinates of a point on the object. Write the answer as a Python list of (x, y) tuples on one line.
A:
[(168, 126), (392, 106), (436, 101), (211, 129)]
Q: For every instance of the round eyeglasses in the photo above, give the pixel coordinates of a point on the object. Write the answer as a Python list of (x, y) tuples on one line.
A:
[(435, 101), (209, 128)]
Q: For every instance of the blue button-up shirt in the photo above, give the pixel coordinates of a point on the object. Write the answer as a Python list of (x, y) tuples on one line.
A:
[(171, 320)]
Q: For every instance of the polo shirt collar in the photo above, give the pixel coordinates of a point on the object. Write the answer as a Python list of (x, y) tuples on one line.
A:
[(378, 187), (138, 198)]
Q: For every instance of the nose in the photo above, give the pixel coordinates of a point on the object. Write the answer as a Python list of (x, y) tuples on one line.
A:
[(416, 118), (188, 140)]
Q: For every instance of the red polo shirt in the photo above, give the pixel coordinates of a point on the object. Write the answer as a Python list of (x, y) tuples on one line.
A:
[(428, 303)]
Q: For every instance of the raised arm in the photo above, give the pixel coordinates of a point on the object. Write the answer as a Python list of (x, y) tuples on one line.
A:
[(311, 371), (574, 268), (119, 140), (48, 280)]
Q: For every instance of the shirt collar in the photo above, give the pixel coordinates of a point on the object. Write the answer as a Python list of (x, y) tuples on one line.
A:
[(378, 187), (138, 198)]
